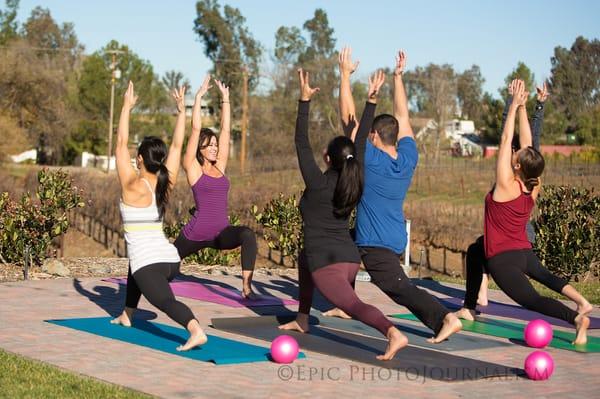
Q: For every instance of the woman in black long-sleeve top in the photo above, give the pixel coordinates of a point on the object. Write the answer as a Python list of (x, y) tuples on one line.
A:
[(330, 260)]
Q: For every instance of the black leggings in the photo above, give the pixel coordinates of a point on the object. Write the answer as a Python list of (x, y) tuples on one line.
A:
[(510, 270), (476, 266), (384, 267), (231, 237), (153, 281)]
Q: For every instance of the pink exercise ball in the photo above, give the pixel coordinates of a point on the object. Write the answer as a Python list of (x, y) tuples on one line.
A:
[(284, 349), (539, 365), (538, 333)]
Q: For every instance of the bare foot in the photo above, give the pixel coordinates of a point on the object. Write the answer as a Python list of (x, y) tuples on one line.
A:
[(466, 314), (296, 325), (397, 341), (482, 300), (337, 312), (451, 325), (584, 308), (582, 323), (196, 339), (250, 295), (123, 320)]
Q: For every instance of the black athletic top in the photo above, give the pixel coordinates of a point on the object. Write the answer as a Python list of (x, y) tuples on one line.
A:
[(327, 239)]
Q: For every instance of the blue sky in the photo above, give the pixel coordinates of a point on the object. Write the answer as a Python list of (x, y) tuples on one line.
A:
[(492, 34)]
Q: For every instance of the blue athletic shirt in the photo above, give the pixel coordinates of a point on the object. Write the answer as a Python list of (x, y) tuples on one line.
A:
[(379, 218)]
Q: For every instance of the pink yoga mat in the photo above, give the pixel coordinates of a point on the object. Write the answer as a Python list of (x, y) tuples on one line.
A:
[(515, 312), (215, 294)]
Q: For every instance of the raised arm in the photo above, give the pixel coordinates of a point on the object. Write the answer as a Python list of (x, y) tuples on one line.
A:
[(192, 167), (225, 126), (525, 139), (311, 173), (125, 170), (400, 99), (174, 157), (346, 101), (366, 120), (507, 104), (538, 115), (504, 171)]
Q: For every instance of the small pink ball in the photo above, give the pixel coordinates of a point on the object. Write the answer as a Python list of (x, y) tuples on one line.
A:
[(538, 333), (539, 365), (284, 349)]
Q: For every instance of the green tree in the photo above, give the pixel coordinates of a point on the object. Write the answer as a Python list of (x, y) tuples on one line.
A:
[(173, 80), (93, 89), (434, 91), (469, 89), (229, 45), (575, 82), (491, 122), (522, 72), (8, 22), (37, 82)]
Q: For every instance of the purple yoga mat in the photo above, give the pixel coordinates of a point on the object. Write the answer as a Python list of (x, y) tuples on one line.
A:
[(215, 294), (515, 312)]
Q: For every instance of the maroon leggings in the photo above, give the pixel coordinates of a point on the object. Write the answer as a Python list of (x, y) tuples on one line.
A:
[(335, 282)]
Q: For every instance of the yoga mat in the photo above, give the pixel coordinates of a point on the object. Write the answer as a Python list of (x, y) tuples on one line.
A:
[(417, 335), (495, 308), (215, 294), (424, 363), (166, 338), (514, 312), (514, 332)]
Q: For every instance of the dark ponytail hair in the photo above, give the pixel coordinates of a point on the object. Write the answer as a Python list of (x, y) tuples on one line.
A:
[(532, 165), (154, 153), (349, 187), (205, 136)]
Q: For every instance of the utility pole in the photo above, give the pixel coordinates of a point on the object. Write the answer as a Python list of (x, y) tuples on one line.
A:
[(244, 119), (115, 74)]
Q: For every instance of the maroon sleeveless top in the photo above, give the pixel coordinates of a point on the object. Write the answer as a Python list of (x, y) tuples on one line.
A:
[(504, 223)]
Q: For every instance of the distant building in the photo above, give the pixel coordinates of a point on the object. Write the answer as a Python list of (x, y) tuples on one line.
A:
[(29, 155)]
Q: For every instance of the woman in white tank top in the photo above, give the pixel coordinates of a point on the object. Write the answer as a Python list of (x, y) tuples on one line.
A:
[(153, 261)]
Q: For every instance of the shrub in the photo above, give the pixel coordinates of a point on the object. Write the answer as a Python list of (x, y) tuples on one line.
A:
[(33, 224), (206, 256), (568, 232), (283, 225)]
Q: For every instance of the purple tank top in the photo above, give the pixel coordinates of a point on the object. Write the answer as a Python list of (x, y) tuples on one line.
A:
[(210, 218)]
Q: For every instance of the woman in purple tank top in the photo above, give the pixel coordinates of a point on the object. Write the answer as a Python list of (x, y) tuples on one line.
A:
[(204, 163)]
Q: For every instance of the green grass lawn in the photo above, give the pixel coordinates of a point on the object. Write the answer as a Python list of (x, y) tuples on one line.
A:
[(24, 378), (590, 290)]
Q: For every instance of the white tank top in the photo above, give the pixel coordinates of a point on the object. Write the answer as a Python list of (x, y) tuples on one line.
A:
[(146, 241)]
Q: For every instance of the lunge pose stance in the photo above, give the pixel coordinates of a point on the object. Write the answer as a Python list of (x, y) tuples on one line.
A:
[(153, 261), (510, 259), (476, 252), (390, 159), (204, 162), (330, 260)]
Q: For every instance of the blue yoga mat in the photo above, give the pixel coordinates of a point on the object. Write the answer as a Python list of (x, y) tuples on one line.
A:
[(166, 338)]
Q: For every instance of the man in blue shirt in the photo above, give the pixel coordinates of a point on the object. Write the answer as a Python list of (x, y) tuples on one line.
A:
[(390, 160)]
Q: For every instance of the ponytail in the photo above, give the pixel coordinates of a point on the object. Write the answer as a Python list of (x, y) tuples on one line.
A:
[(532, 166), (162, 189), (154, 152), (531, 183), (348, 189)]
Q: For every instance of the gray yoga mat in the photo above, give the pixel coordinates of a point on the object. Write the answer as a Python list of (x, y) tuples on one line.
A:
[(417, 335), (420, 362)]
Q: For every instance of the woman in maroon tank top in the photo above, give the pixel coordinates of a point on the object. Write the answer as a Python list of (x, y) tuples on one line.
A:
[(204, 162), (510, 258)]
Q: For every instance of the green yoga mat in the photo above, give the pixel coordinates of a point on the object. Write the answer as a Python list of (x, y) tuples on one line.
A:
[(514, 332), (166, 338)]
